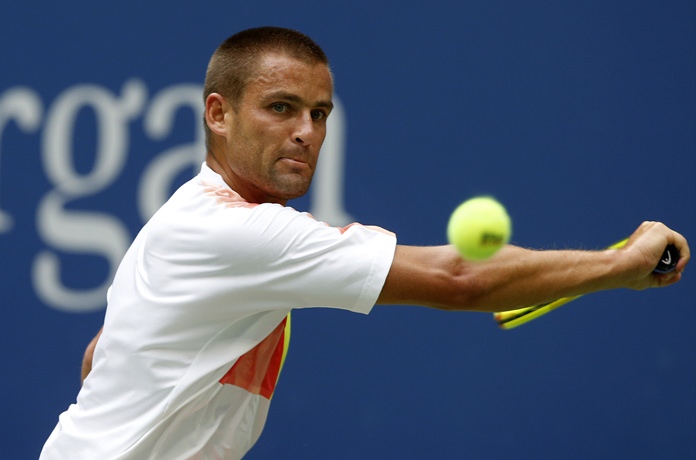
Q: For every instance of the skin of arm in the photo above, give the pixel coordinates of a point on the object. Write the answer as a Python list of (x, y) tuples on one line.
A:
[(89, 354), (515, 277)]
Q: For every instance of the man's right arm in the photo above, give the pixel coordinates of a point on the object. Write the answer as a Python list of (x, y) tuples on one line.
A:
[(516, 277)]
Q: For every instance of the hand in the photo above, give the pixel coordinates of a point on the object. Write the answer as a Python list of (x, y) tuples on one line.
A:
[(645, 248)]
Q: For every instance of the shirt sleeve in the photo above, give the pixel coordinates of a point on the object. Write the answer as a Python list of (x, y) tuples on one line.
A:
[(269, 256)]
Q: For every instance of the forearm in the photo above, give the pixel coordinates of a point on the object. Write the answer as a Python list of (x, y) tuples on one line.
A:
[(518, 277), (515, 277)]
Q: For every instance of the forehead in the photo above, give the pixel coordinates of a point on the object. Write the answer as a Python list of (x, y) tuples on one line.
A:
[(277, 73)]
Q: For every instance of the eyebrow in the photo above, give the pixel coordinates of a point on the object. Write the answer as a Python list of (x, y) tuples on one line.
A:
[(298, 100)]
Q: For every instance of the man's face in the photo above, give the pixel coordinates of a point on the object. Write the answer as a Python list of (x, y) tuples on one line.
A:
[(274, 136)]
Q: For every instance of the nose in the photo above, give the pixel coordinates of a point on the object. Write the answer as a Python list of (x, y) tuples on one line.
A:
[(305, 132)]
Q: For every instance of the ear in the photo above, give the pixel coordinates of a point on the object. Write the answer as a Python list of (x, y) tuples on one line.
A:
[(216, 107)]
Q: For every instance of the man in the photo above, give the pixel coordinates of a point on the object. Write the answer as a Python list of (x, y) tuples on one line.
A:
[(197, 321)]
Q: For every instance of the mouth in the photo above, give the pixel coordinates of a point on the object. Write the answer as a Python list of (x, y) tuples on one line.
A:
[(294, 163), (293, 160)]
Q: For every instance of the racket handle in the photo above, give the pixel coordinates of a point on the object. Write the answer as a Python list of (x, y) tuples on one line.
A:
[(668, 260)]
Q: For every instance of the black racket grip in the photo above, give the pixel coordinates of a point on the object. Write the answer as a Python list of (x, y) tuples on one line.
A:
[(668, 260)]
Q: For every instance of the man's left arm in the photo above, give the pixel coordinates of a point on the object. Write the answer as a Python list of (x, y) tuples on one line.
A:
[(89, 354)]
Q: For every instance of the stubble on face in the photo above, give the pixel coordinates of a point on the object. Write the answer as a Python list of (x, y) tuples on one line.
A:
[(277, 130)]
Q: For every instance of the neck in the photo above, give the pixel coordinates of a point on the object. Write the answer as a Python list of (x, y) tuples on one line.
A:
[(249, 194)]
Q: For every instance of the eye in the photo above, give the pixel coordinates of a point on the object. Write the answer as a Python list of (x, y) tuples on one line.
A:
[(318, 114), (279, 107)]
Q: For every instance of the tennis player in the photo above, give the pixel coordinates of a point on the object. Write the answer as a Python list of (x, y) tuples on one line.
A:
[(197, 323)]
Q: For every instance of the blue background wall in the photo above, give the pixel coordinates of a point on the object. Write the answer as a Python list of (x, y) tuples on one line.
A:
[(579, 115)]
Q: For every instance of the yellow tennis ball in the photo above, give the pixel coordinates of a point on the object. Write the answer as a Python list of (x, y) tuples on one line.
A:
[(479, 227)]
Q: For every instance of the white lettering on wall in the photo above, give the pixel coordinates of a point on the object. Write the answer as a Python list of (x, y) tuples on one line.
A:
[(82, 232), (23, 106), (99, 232)]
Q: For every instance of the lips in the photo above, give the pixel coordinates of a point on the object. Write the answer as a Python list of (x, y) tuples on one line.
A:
[(294, 163), (294, 160)]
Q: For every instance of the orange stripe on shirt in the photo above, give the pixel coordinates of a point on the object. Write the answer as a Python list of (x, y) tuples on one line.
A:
[(257, 370)]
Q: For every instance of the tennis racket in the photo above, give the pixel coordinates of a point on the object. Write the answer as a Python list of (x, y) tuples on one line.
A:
[(513, 318)]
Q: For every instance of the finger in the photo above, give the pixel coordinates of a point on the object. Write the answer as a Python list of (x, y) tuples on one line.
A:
[(682, 245), (667, 279)]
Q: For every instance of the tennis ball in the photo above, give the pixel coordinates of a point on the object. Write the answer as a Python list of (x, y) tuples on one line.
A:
[(479, 227)]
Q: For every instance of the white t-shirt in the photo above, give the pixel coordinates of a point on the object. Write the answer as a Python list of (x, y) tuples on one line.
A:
[(196, 327)]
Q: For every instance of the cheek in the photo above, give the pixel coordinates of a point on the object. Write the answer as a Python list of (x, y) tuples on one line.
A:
[(246, 146)]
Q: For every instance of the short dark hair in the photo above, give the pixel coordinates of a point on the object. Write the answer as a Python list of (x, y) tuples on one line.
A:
[(234, 62)]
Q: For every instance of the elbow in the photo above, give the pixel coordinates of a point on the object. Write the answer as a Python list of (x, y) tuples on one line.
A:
[(465, 292)]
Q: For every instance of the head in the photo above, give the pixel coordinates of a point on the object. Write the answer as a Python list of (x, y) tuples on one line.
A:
[(267, 93)]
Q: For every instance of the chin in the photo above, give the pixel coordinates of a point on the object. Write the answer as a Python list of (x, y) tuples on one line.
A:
[(291, 195), (291, 188)]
